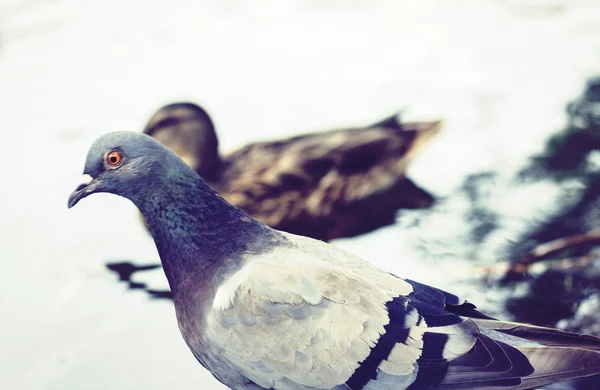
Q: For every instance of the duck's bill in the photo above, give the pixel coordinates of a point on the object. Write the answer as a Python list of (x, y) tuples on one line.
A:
[(85, 187)]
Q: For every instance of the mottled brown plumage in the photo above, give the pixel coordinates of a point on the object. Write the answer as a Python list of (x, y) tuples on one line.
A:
[(327, 185)]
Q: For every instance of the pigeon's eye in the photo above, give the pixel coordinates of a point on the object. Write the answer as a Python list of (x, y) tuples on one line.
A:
[(114, 158)]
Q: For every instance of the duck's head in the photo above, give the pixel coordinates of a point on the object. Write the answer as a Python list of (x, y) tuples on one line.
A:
[(187, 130), (131, 165)]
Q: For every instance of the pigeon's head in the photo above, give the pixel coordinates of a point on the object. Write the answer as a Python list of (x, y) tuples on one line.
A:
[(127, 164)]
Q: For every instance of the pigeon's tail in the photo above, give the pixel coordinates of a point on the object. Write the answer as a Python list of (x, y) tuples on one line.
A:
[(538, 334), (503, 355), (539, 356), (556, 364)]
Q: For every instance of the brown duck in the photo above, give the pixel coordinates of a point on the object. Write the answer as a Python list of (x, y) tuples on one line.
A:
[(327, 185)]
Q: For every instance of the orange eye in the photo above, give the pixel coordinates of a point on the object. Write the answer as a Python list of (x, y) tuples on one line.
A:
[(114, 158)]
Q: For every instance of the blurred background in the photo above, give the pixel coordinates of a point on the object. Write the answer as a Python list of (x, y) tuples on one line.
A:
[(84, 305)]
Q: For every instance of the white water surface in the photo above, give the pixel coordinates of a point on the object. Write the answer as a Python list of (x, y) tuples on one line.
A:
[(498, 72)]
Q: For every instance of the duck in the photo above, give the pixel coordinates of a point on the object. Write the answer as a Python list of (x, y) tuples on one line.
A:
[(265, 309), (326, 185)]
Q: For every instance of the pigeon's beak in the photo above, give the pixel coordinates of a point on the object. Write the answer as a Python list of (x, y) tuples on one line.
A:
[(83, 189)]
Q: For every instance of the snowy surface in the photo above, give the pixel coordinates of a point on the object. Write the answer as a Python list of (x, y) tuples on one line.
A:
[(499, 73)]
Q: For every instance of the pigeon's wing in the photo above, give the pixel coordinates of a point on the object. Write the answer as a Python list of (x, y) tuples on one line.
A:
[(286, 324), (310, 326), (332, 321)]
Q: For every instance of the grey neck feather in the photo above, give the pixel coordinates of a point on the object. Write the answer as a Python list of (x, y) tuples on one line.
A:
[(197, 233)]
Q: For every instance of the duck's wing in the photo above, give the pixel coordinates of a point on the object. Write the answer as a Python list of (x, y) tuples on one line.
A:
[(290, 323), (302, 162), (326, 176), (385, 179)]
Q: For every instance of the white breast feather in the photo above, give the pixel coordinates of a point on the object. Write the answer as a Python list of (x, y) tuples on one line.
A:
[(306, 316)]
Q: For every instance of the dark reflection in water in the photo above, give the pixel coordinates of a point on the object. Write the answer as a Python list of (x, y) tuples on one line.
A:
[(563, 290), (564, 295), (555, 294), (126, 269), (481, 219)]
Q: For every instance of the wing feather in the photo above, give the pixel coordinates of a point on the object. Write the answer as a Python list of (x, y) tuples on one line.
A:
[(309, 325), (333, 321)]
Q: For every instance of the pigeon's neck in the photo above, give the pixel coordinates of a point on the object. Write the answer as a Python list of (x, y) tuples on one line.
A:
[(197, 233)]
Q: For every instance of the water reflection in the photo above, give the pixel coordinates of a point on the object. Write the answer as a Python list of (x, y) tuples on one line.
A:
[(565, 294), (555, 294), (543, 264), (125, 270)]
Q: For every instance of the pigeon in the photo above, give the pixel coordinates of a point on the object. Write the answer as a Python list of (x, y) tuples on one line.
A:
[(326, 185), (265, 309)]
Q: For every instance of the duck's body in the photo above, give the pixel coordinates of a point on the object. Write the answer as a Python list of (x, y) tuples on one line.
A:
[(265, 309), (325, 185)]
